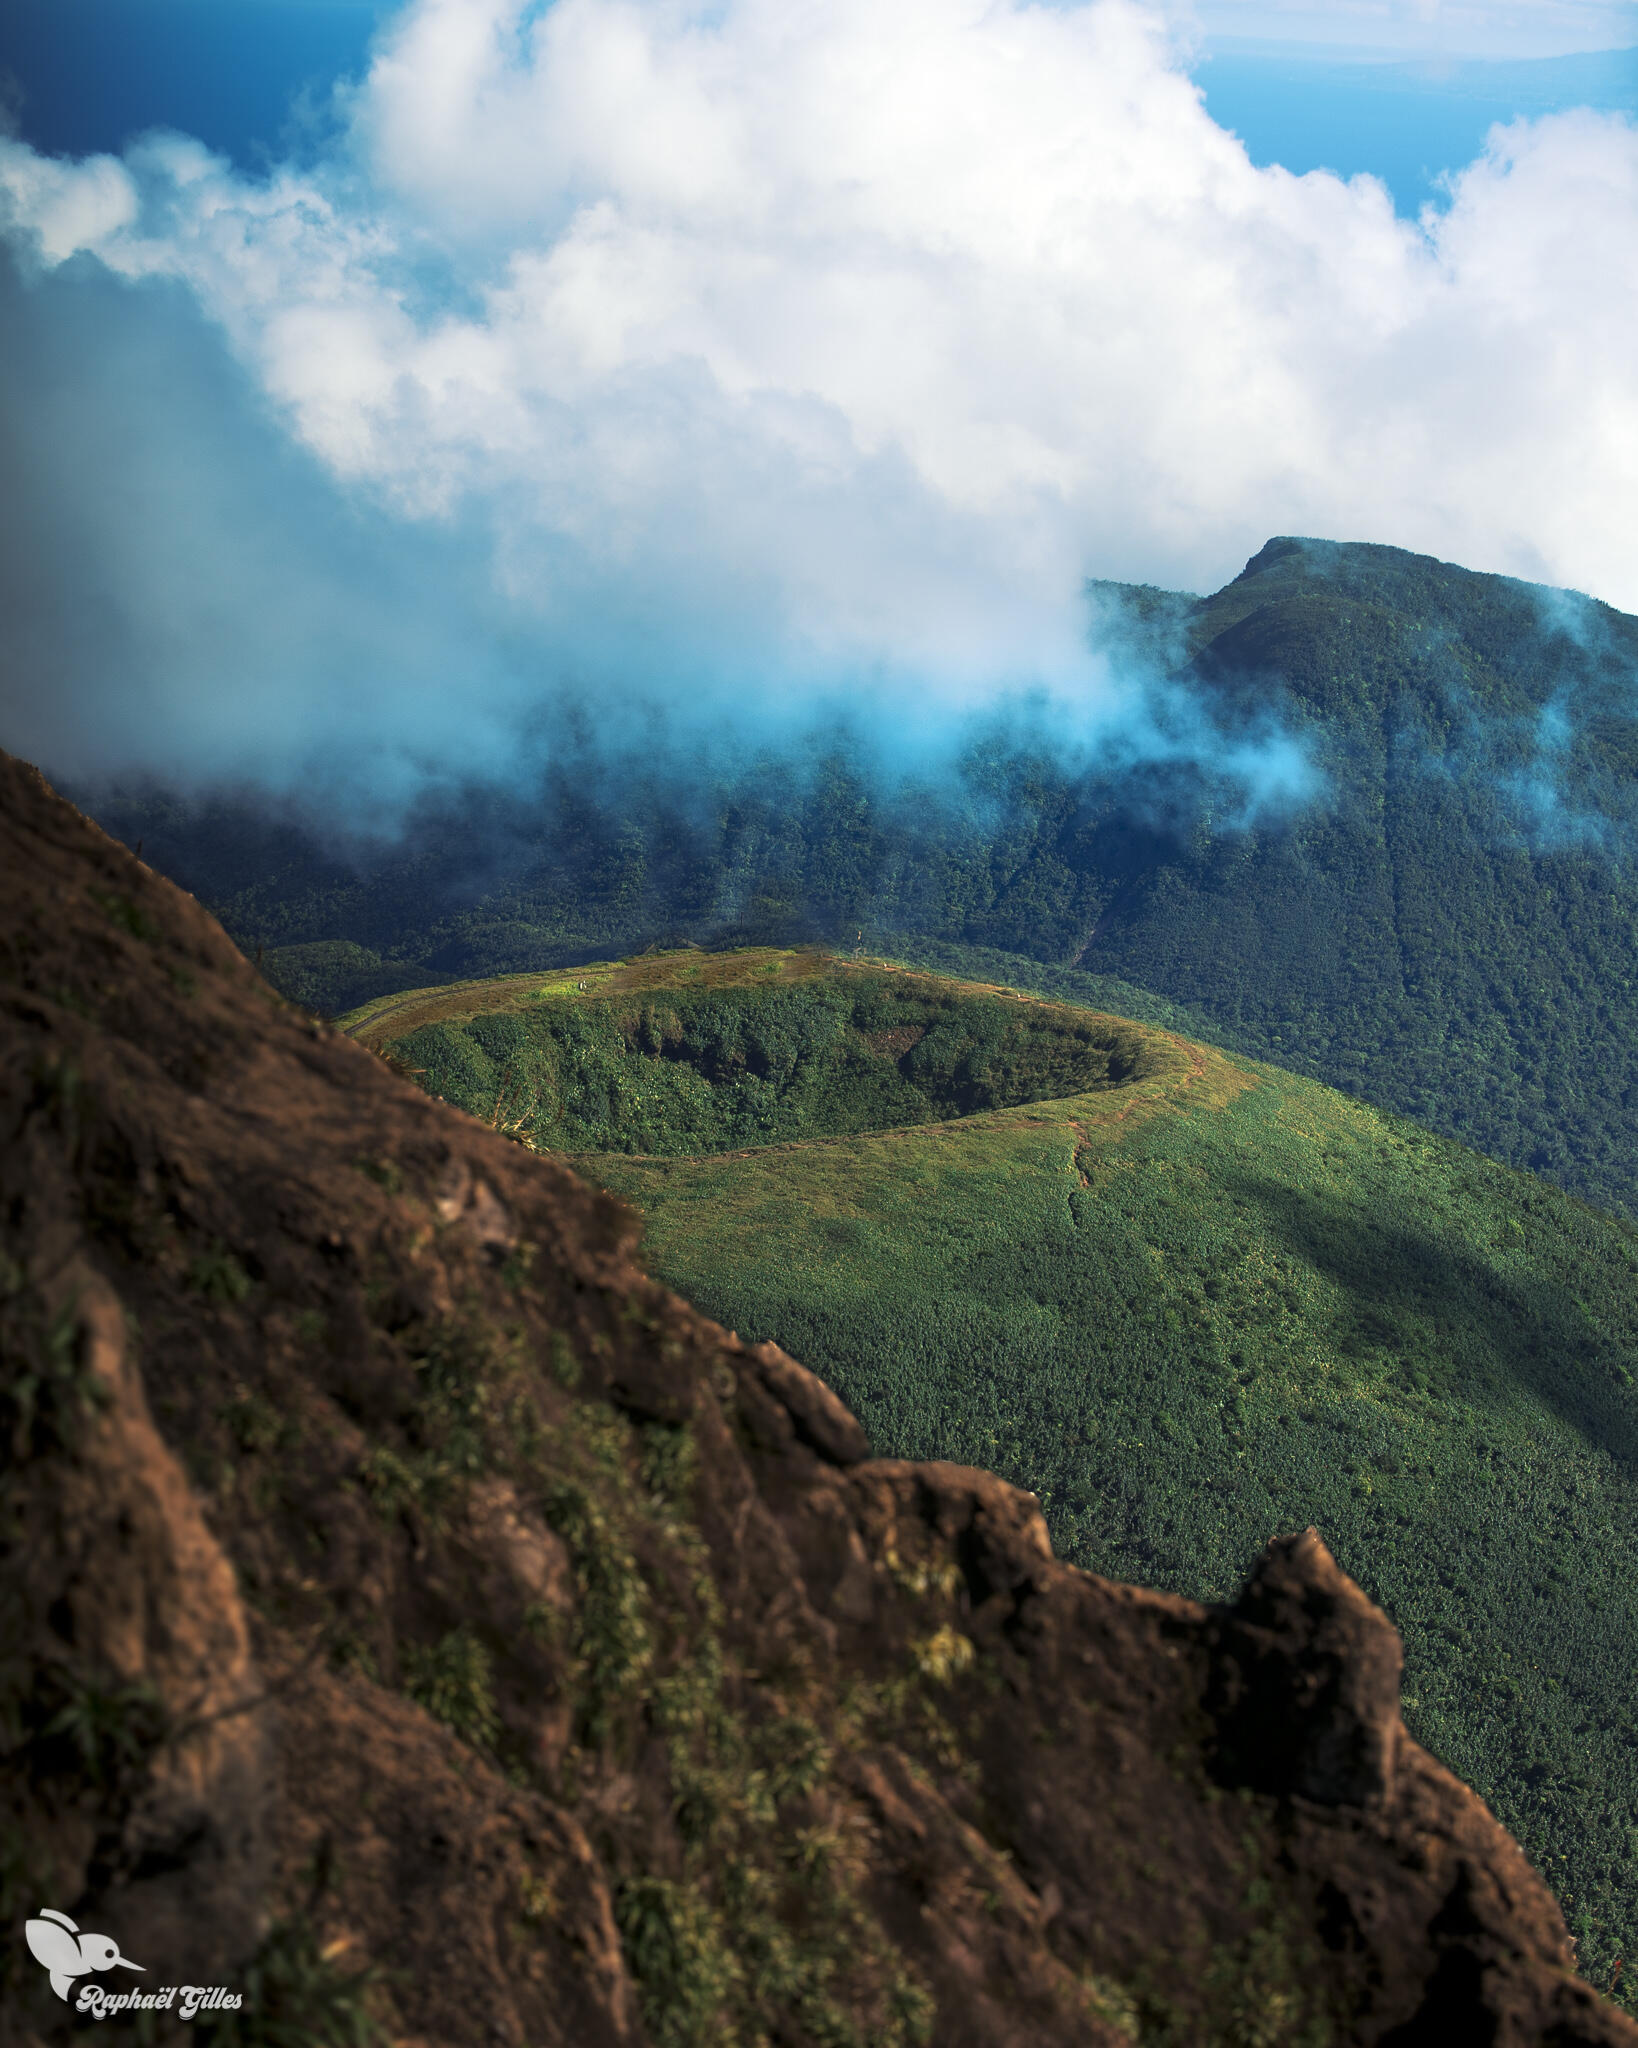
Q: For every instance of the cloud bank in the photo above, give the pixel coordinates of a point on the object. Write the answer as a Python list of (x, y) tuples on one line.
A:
[(760, 359)]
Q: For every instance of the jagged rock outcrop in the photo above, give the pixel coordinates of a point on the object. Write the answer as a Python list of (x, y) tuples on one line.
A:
[(411, 1610)]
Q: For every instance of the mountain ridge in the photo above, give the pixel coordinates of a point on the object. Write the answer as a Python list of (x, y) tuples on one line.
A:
[(571, 1665), (1446, 923)]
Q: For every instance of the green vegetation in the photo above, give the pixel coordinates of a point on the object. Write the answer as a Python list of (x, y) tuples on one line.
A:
[(1453, 930), (218, 1276), (1190, 1309), (51, 1394), (124, 913), (1188, 1302), (295, 1996), (761, 1915), (1448, 926), (316, 975), (762, 1921), (454, 1680), (103, 1734), (795, 1048), (464, 1372)]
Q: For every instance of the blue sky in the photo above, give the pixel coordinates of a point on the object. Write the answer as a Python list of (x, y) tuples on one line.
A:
[(373, 381), (1407, 120), (1392, 92), (90, 73)]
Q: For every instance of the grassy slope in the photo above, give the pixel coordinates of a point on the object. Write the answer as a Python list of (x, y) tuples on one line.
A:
[(693, 1052), (1216, 1303), (742, 967), (1450, 927), (1226, 1302)]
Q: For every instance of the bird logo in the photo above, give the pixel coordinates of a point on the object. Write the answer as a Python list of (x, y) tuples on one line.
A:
[(58, 1945)]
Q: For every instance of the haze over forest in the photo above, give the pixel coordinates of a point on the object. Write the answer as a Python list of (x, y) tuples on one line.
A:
[(600, 435), (1055, 584), (753, 369)]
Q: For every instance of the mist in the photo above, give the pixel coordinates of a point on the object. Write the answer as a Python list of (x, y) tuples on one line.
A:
[(734, 383)]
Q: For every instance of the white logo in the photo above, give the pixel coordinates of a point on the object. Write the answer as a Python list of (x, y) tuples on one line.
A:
[(57, 1944)]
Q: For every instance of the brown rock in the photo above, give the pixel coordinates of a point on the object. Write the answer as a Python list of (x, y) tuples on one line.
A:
[(1306, 1696), (146, 1789), (395, 1579), (818, 1417)]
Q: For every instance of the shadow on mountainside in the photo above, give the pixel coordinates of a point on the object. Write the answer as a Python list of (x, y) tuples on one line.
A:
[(417, 1620), (1492, 1337)]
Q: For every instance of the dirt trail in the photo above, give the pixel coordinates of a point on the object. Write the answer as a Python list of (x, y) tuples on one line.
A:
[(376, 1016)]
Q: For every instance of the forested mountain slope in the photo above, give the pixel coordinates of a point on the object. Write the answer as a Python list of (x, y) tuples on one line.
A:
[(1453, 931), (428, 1628), (1184, 1298), (1447, 925)]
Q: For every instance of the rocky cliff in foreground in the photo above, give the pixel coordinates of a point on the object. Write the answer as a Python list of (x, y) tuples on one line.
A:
[(420, 1623)]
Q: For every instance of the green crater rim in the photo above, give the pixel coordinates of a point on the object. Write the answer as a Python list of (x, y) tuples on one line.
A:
[(688, 1054)]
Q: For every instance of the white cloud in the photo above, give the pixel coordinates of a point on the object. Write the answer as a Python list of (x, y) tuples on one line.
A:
[(833, 339), (56, 207)]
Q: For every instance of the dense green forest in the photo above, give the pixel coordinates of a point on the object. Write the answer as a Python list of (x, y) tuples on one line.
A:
[(687, 1070), (1448, 925), (1201, 1302)]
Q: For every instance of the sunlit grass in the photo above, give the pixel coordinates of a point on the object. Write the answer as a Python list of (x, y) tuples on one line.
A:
[(1218, 1301)]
